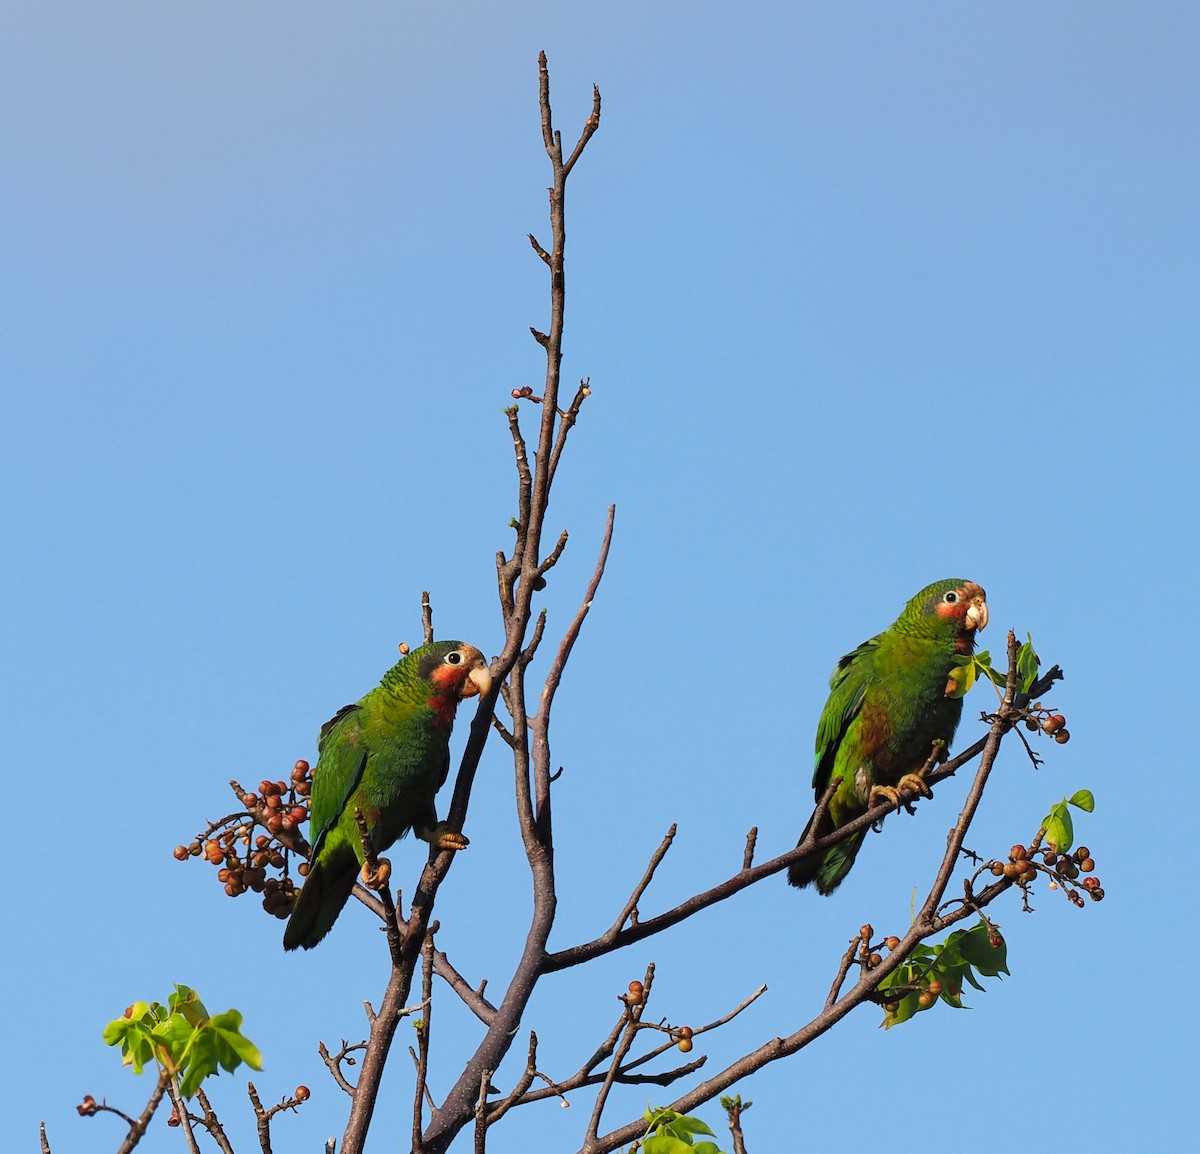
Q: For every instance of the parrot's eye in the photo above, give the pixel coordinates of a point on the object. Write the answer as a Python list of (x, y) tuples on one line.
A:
[(951, 598), (454, 658)]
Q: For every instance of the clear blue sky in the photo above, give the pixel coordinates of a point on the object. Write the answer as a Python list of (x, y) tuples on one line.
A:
[(869, 295)]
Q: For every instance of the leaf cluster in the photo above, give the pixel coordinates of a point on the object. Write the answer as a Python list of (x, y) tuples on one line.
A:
[(182, 1038), (934, 972), (969, 668), (669, 1132)]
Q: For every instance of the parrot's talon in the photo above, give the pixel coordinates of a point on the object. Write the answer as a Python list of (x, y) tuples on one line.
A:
[(377, 879), (881, 793), (915, 783), (441, 836)]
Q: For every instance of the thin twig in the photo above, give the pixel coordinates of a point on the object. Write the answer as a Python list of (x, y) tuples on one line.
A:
[(472, 998), (181, 1112), (334, 1062), (418, 1124), (426, 617)]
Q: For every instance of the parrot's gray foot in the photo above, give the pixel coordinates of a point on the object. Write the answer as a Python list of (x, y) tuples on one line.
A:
[(377, 879), (441, 836)]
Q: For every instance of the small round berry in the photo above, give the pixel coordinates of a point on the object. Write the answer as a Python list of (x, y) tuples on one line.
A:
[(1092, 883), (1097, 895), (891, 941), (935, 987), (180, 853), (637, 993), (997, 868), (926, 999), (1087, 865), (1018, 853), (684, 1032), (302, 1094), (866, 931), (685, 1045), (1082, 853), (1062, 736)]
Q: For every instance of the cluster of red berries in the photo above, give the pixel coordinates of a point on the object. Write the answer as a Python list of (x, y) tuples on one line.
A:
[(1064, 869), (243, 858), (1052, 724)]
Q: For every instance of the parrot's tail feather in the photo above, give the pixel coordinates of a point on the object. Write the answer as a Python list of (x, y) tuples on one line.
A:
[(322, 897), (827, 869)]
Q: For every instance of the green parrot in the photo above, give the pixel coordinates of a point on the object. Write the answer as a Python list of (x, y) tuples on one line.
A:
[(889, 701), (388, 755)]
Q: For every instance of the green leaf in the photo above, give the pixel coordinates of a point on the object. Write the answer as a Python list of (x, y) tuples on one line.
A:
[(963, 677), (1060, 829), (226, 1026), (906, 1009), (666, 1144), (991, 961), (186, 1002), (174, 1036), (706, 1148), (1027, 665), (1083, 799), (691, 1125)]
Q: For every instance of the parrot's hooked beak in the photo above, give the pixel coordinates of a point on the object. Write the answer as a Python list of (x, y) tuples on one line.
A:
[(977, 613), (479, 680)]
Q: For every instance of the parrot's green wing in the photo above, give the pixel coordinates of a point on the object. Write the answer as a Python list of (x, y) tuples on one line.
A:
[(847, 688), (342, 756)]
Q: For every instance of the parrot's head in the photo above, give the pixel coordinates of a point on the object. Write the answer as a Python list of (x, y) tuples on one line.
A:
[(953, 605), (454, 671)]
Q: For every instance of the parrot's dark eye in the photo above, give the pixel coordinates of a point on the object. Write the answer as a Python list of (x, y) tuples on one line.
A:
[(951, 598), (454, 658)]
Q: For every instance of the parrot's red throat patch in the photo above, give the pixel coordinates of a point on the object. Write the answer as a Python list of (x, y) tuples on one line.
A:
[(448, 682)]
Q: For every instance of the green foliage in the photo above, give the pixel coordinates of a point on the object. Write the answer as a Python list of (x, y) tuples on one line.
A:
[(969, 668), (1060, 829), (933, 973), (182, 1038), (668, 1132)]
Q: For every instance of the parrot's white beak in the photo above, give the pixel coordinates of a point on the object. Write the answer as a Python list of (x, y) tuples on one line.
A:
[(977, 614), (479, 681)]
